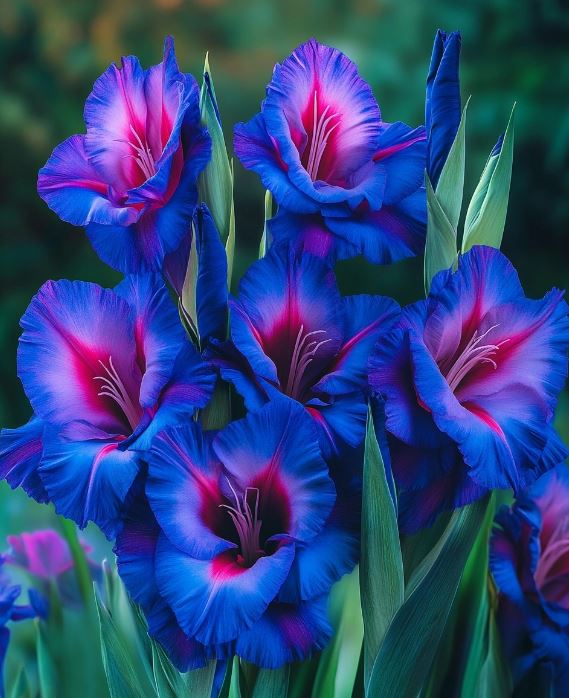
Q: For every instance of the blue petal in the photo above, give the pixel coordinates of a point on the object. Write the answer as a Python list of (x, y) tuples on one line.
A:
[(286, 633), (135, 549), (72, 188), (211, 285), (184, 493), (287, 452), (87, 480), (215, 600), (309, 233), (366, 320), (392, 233), (20, 453), (190, 387), (257, 151), (159, 334), (442, 104), (402, 152)]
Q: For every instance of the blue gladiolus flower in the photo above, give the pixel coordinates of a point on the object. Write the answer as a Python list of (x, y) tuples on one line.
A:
[(247, 540), (104, 371), (442, 104), (529, 560), (11, 611), (471, 379), (294, 334), (347, 183), (131, 179)]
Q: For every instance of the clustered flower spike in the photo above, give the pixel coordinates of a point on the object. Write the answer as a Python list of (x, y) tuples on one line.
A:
[(230, 539)]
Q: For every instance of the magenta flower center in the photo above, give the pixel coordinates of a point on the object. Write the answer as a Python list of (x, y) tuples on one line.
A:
[(323, 124), (305, 350), (474, 354), (247, 524), (142, 154), (113, 387)]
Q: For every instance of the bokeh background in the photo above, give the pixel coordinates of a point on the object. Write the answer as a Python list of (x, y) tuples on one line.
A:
[(51, 51)]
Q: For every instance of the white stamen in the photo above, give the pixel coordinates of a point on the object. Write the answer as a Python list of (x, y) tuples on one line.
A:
[(302, 355), (113, 387), (143, 157), (473, 354), (247, 524), (321, 132)]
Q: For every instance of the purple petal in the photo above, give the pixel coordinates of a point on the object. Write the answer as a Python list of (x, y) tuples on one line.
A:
[(20, 453)]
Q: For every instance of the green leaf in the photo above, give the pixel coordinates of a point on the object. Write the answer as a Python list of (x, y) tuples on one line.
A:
[(217, 413), (486, 215), (21, 687), (230, 242), (216, 181), (187, 304), (272, 683), (338, 663), (411, 642), (81, 566), (495, 678), (451, 181), (265, 242), (122, 678), (381, 566), (47, 670), (440, 247)]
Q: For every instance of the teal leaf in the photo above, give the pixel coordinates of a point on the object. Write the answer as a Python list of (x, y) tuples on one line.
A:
[(272, 683), (441, 246), (410, 644), (451, 181), (486, 214), (80, 563), (47, 670), (381, 566)]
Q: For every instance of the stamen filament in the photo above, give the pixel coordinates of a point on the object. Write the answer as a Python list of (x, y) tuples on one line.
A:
[(247, 524), (473, 354), (320, 135), (113, 387), (302, 355), (143, 157)]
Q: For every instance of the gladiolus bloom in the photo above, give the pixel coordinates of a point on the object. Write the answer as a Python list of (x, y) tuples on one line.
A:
[(470, 379)]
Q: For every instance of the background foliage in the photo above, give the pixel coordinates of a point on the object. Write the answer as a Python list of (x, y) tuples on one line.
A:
[(51, 51)]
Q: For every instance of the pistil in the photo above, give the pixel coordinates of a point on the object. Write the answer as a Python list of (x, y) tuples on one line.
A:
[(302, 355), (143, 156)]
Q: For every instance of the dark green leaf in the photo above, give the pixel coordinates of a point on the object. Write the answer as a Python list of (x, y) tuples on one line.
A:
[(272, 683), (47, 670), (381, 566), (411, 642)]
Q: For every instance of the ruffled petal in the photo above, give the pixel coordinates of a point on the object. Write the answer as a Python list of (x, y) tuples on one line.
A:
[(402, 151), (184, 493), (88, 480), (73, 188), (285, 633), (392, 233), (115, 114), (70, 328), (158, 332), (20, 453), (215, 600), (367, 318), (284, 464), (135, 550), (259, 152)]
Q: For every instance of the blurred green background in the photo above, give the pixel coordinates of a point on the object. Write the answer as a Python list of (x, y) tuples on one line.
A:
[(51, 51)]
